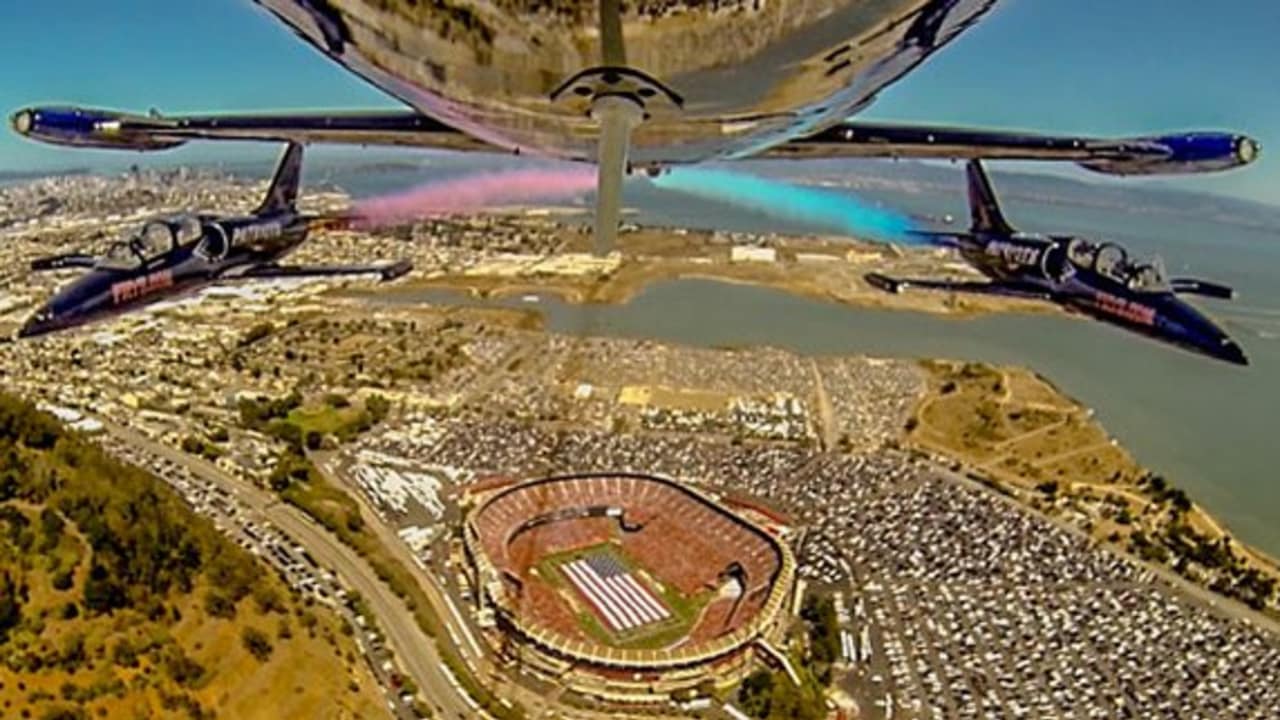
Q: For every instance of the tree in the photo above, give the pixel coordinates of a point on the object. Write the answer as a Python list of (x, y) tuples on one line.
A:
[(192, 444), (219, 605), (124, 654), (1049, 488), (756, 693), (182, 669), (63, 580), (267, 600), (256, 642), (314, 440), (287, 432), (64, 712), (102, 593), (10, 603), (51, 526), (378, 408)]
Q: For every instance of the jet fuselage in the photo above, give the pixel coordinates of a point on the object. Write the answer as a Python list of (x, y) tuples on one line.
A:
[(225, 248), (1100, 281)]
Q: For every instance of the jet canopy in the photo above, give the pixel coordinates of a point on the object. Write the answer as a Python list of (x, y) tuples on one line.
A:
[(154, 239), (1112, 261)]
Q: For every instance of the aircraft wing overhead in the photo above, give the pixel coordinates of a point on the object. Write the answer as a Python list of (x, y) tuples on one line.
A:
[(89, 127), (1185, 152)]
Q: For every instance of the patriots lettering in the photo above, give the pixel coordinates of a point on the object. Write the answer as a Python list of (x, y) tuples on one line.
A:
[(1014, 252), (256, 233), (127, 290)]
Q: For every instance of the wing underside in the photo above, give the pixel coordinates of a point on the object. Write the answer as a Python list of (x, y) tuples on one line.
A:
[(1186, 152), (1172, 153), (89, 127)]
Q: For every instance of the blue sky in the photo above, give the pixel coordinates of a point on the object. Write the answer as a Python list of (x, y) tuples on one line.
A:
[(1080, 66)]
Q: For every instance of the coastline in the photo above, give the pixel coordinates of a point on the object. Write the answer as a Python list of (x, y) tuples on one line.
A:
[(1121, 505), (606, 291)]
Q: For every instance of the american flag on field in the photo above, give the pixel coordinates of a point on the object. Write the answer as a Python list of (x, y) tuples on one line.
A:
[(622, 601)]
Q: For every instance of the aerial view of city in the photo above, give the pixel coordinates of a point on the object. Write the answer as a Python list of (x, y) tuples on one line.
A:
[(879, 424)]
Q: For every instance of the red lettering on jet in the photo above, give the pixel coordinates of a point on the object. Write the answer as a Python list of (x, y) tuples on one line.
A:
[(127, 290), (1129, 310)]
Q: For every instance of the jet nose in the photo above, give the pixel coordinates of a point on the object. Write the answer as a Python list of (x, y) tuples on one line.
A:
[(39, 324), (1232, 352)]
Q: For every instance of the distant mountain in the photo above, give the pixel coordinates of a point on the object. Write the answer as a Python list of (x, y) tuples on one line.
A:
[(20, 175)]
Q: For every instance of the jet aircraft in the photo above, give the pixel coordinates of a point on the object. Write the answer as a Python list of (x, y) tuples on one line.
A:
[(170, 256), (640, 85), (1098, 279)]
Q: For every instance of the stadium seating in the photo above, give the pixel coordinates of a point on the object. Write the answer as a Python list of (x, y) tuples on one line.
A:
[(684, 541)]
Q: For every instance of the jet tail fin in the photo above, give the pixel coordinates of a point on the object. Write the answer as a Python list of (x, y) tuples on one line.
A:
[(283, 193), (983, 207)]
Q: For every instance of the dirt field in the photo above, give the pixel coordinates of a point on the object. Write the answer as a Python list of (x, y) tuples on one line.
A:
[(1014, 424)]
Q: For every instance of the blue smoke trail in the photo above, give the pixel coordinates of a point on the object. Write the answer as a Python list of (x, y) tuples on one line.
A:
[(793, 202)]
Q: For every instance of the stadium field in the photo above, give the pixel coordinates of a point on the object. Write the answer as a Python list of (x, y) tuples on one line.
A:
[(618, 603)]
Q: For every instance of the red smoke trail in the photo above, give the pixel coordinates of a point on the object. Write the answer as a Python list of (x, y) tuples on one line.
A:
[(474, 192)]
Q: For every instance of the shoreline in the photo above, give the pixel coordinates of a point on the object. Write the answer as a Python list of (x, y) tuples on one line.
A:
[(1199, 518), (1145, 509)]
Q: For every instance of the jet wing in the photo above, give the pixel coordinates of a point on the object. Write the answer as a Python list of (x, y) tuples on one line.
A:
[(62, 262), (385, 273), (975, 287), (1187, 152), (89, 127)]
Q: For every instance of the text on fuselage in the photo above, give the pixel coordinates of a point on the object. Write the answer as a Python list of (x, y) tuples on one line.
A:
[(250, 234), (1134, 312), (1014, 253), (141, 286)]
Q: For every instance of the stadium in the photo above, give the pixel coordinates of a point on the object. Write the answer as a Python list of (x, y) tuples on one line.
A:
[(626, 587)]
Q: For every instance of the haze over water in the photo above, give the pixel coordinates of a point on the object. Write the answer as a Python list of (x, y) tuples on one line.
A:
[(1207, 426)]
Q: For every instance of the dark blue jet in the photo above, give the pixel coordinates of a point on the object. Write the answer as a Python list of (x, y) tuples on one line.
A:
[(1098, 279), (174, 255)]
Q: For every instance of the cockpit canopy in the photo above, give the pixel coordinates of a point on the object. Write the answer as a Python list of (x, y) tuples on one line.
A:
[(154, 239), (1112, 261)]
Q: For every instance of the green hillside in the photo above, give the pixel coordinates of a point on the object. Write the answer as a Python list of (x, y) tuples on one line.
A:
[(116, 600)]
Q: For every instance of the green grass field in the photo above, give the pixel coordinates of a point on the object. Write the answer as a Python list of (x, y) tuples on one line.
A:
[(684, 608), (324, 419)]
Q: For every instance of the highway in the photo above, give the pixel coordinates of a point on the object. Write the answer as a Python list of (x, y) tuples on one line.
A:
[(445, 606), (415, 652)]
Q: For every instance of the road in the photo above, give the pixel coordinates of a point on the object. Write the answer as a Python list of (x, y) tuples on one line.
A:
[(444, 604), (415, 651), (825, 411)]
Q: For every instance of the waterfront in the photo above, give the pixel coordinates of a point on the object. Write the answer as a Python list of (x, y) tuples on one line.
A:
[(1205, 426)]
